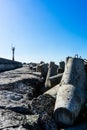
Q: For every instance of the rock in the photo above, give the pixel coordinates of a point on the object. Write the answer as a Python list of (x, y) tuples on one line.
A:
[(15, 128), (42, 104), (32, 122), (16, 121), (47, 123), (14, 101), (22, 88)]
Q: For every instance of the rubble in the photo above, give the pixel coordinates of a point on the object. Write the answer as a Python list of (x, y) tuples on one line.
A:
[(11, 120), (47, 123), (43, 106)]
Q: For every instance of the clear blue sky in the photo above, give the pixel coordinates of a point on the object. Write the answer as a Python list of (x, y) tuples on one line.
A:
[(47, 30)]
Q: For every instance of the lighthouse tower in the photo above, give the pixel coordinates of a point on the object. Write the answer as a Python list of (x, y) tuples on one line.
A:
[(13, 51)]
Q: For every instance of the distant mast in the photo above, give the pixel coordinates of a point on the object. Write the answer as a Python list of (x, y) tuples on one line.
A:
[(13, 51)]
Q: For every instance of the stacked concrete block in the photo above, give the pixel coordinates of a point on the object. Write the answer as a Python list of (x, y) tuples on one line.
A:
[(54, 80), (61, 67), (70, 96), (53, 91), (43, 68), (52, 70)]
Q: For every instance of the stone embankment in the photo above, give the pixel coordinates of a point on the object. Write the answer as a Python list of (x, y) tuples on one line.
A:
[(44, 96)]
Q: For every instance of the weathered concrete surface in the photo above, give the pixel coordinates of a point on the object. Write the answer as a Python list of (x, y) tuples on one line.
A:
[(54, 80), (61, 67), (47, 123), (14, 101), (53, 91), (21, 109), (74, 72), (16, 75), (6, 64), (20, 80), (70, 96), (52, 70), (43, 68), (68, 104), (44, 106), (17, 88), (10, 120), (80, 122)]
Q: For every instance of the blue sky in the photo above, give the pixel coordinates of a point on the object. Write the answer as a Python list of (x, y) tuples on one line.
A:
[(48, 30)]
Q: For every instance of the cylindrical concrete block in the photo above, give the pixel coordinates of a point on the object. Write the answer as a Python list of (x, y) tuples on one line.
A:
[(54, 80), (43, 68), (62, 65), (68, 104), (70, 96), (74, 72), (53, 91), (52, 70)]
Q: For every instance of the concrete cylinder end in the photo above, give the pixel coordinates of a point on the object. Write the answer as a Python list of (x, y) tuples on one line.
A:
[(63, 116)]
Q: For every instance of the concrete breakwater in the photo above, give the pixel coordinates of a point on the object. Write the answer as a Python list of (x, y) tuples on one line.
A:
[(44, 96), (6, 64)]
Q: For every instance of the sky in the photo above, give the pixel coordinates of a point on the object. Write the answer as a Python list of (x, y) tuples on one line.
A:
[(43, 30)]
